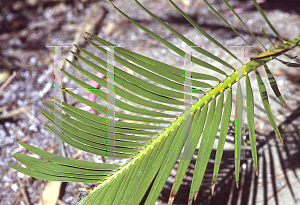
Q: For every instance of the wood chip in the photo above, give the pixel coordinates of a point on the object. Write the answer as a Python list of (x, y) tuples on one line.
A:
[(50, 194)]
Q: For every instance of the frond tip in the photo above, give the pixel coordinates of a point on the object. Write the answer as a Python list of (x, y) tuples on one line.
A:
[(212, 189), (286, 105)]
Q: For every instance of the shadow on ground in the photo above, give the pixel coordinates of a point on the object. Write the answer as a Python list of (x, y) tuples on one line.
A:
[(278, 172)]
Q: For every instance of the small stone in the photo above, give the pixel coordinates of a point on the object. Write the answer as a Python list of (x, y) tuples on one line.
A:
[(4, 76), (14, 187), (17, 5), (186, 3), (110, 28), (32, 60), (32, 2), (21, 175)]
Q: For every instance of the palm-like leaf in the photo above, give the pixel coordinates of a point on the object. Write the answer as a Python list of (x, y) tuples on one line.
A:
[(153, 158)]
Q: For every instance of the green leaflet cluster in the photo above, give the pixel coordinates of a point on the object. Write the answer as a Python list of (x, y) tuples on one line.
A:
[(153, 158)]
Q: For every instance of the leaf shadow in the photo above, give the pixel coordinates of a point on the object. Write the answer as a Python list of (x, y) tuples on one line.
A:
[(277, 171)]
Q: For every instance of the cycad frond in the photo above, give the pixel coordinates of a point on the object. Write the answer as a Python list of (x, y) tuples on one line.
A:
[(153, 158)]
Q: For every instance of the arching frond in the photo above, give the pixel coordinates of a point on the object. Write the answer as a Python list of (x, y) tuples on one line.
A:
[(154, 140)]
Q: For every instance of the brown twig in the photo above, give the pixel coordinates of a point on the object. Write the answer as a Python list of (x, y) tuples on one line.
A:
[(16, 199), (18, 111), (21, 185), (11, 113), (77, 154)]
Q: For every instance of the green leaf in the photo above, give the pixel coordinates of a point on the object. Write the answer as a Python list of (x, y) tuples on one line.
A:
[(156, 73), (137, 172), (223, 133), (150, 163), (47, 177), (103, 109), (145, 73), (266, 19), (232, 10), (84, 147), (203, 32), (266, 104), (171, 157), (199, 171), (36, 165), (189, 150), (99, 126), (184, 39), (125, 184), (274, 86), (294, 65), (267, 36), (98, 141), (97, 196), (96, 131), (163, 66), (212, 132), (290, 57), (69, 161), (157, 159), (171, 46), (97, 137), (217, 13), (60, 170), (121, 92), (250, 119), (102, 120), (279, 50), (111, 194), (238, 130), (137, 85)]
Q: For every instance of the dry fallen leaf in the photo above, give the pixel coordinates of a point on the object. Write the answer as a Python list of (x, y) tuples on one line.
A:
[(50, 194)]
